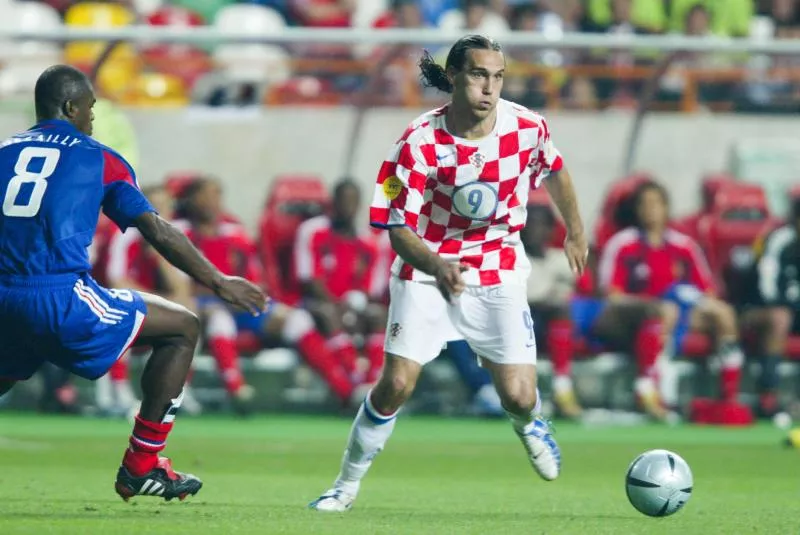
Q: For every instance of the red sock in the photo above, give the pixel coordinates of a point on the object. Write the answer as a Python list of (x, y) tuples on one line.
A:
[(648, 346), (344, 350), (314, 349), (119, 371), (730, 377), (375, 354), (560, 345), (147, 439), (224, 351)]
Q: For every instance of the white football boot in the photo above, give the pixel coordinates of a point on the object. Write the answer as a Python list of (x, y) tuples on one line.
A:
[(333, 501), (543, 452)]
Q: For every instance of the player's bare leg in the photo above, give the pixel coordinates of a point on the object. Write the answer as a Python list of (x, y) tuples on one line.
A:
[(172, 331), (516, 386), (371, 429), (718, 319)]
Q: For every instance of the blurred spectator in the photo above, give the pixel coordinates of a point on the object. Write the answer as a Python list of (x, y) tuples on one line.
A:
[(402, 14), (334, 264), (524, 88), (474, 16), (654, 262), (786, 14), (729, 17), (323, 13), (432, 10), (550, 287), (675, 81), (226, 244), (645, 15)]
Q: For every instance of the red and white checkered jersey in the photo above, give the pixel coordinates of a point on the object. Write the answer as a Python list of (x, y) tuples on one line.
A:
[(466, 199)]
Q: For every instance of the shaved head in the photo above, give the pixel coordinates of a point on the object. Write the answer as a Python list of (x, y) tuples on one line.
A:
[(63, 92)]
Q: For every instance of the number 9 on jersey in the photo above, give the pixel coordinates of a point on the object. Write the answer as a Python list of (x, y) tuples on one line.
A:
[(476, 200)]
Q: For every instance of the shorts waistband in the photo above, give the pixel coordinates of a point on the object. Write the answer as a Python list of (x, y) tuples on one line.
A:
[(39, 281)]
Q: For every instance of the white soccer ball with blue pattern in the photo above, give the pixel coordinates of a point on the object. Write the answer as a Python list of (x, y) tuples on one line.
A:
[(658, 483)]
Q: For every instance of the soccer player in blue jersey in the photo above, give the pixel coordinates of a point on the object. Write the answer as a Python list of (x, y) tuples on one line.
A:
[(54, 180)]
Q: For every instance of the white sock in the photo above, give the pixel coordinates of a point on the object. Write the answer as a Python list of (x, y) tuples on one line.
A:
[(368, 435), (523, 422)]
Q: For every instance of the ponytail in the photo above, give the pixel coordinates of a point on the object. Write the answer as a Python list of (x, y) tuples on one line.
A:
[(433, 74)]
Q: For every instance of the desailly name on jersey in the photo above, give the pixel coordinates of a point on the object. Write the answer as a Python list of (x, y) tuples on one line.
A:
[(57, 139)]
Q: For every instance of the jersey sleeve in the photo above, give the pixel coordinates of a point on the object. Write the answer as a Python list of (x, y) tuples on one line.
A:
[(546, 159), (306, 263), (613, 276), (700, 273), (398, 197), (123, 201)]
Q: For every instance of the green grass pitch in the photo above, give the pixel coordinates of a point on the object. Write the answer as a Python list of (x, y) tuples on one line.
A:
[(436, 476)]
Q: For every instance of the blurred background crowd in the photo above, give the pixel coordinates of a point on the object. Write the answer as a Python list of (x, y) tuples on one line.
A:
[(690, 305), (254, 74)]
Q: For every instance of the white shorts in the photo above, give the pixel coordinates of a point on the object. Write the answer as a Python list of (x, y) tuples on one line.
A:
[(494, 320)]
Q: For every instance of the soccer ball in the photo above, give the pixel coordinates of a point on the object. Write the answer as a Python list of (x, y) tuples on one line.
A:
[(658, 483)]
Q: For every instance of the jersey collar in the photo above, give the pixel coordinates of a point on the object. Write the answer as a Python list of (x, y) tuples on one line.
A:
[(54, 123)]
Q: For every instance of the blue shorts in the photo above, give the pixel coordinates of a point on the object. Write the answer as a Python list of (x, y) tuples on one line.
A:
[(584, 311), (245, 321), (68, 320)]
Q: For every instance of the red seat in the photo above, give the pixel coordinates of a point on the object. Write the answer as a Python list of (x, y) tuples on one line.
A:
[(183, 61), (292, 200), (739, 215), (177, 181), (618, 192)]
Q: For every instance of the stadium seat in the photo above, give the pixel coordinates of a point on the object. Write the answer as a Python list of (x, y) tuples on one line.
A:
[(208, 9), (292, 200), (711, 184), (24, 61), (155, 89), (739, 215), (305, 90), (367, 12), (606, 225), (187, 62), (122, 66), (253, 63)]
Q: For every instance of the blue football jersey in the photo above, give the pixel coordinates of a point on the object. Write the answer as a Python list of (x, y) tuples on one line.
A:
[(54, 181)]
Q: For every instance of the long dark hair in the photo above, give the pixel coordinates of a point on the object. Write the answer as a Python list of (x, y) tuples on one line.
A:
[(434, 75), (636, 199)]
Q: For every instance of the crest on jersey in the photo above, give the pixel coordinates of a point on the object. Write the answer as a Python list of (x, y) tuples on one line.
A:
[(478, 160)]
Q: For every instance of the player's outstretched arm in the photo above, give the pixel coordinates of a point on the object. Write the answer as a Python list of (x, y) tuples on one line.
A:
[(173, 245), (559, 185), (411, 249)]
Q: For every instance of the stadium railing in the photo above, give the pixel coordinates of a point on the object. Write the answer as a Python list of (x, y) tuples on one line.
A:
[(660, 49)]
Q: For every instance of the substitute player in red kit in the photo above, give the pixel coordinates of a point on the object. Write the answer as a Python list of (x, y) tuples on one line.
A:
[(54, 180), (453, 193), (653, 261), (335, 264), (230, 249)]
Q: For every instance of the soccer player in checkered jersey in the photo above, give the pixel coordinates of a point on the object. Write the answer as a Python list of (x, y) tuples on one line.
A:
[(453, 195)]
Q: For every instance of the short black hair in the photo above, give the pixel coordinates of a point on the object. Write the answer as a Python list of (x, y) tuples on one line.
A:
[(56, 86), (344, 184), (434, 75)]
